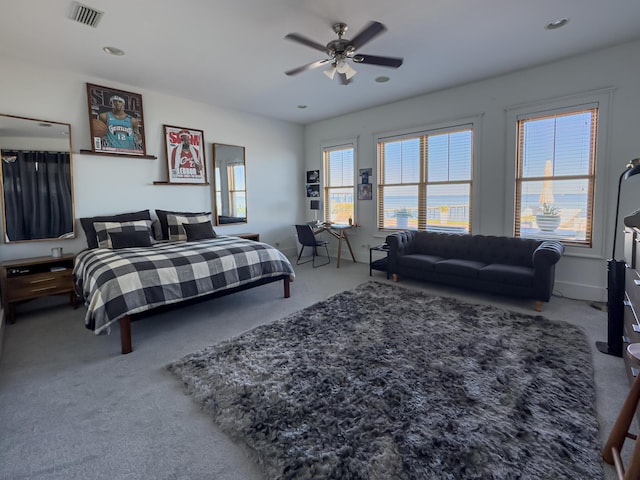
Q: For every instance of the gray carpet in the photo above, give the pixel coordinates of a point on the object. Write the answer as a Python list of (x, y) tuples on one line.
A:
[(387, 382)]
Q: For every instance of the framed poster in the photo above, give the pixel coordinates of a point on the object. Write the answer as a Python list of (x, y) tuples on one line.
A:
[(184, 149), (115, 121), (364, 191)]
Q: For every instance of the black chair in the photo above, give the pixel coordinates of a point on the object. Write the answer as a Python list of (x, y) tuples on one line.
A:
[(307, 238)]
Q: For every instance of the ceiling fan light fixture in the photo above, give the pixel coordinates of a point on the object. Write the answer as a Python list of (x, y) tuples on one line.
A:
[(330, 72)]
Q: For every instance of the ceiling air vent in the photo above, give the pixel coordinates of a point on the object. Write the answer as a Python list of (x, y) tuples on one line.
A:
[(85, 15)]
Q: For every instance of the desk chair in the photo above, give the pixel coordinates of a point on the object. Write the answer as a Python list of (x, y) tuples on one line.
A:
[(307, 238)]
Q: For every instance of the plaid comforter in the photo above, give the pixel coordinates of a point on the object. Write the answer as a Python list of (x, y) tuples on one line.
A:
[(115, 283)]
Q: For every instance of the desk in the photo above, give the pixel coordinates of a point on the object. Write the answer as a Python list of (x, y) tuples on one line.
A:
[(338, 231)]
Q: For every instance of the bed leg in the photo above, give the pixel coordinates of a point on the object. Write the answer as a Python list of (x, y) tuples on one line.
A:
[(125, 334), (287, 290)]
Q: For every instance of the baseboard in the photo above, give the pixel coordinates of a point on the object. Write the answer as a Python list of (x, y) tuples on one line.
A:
[(579, 291)]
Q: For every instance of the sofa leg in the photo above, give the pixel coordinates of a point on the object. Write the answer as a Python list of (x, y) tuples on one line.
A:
[(394, 277), (539, 306)]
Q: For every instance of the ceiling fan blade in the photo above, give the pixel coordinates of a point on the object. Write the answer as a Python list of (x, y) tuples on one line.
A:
[(392, 62), (367, 34), (296, 37), (308, 66)]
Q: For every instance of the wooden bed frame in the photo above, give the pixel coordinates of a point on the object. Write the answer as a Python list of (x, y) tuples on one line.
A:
[(125, 322)]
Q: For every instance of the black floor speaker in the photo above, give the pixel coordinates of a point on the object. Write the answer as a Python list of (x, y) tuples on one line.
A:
[(615, 308)]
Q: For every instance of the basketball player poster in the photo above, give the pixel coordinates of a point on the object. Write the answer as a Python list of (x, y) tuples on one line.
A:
[(116, 123), (184, 149)]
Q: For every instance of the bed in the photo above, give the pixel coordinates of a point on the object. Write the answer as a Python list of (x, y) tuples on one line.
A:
[(116, 283)]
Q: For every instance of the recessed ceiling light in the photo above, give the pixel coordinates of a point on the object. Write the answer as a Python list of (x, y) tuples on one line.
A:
[(557, 23), (113, 51), (382, 79), (302, 107)]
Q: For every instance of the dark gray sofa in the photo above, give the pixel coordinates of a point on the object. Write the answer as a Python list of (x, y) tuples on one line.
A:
[(512, 266)]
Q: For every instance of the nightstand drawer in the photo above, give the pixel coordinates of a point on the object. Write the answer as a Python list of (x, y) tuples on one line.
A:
[(39, 284)]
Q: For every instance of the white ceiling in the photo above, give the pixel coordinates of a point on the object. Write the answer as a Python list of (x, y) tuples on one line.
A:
[(233, 54)]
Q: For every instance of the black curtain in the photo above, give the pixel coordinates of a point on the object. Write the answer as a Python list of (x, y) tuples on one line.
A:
[(37, 194)]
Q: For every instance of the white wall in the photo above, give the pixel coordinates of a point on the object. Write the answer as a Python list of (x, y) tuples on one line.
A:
[(577, 276), (109, 184)]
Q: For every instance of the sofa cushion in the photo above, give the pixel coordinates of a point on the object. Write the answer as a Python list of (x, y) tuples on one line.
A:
[(464, 268), (417, 260), (510, 274)]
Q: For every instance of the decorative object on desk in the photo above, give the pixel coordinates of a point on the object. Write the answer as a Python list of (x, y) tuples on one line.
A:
[(364, 191), (313, 190), (184, 148), (56, 252), (615, 280), (459, 378), (365, 173), (313, 176), (116, 121)]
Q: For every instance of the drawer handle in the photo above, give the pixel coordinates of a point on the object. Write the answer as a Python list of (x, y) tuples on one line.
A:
[(48, 279), (44, 288)]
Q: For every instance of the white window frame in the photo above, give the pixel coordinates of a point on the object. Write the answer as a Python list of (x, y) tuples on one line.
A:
[(475, 124), (602, 98), (339, 145)]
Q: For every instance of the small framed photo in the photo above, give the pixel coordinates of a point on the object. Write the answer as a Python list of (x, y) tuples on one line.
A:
[(365, 174), (116, 121), (313, 190), (364, 191), (184, 149), (313, 176)]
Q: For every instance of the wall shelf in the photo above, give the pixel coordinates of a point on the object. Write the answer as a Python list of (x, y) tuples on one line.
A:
[(107, 154), (181, 183)]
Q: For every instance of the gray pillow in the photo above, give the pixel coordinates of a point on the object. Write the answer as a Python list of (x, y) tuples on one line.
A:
[(136, 238), (199, 231)]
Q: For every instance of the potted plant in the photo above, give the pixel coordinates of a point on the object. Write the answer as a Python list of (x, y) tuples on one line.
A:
[(548, 217), (402, 218)]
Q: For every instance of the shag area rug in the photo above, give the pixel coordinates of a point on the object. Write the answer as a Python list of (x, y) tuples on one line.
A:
[(384, 382)]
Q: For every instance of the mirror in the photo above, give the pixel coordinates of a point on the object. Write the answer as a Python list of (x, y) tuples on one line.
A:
[(36, 179), (229, 187)]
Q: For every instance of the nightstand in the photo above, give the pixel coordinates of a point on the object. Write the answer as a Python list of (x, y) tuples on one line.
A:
[(381, 263), (29, 278)]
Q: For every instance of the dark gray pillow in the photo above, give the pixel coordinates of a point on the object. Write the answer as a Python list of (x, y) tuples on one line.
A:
[(199, 231), (90, 231), (130, 239), (164, 226)]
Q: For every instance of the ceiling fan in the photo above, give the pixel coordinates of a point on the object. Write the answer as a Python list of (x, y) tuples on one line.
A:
[(342, 50)]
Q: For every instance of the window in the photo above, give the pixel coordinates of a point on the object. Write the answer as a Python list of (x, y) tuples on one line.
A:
[(555, 175), (339, 168), (237, 190), (425, 180)]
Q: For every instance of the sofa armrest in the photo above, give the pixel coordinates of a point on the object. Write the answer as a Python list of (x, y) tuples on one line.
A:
[(548, 253), (545, 258), (400, 243)]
